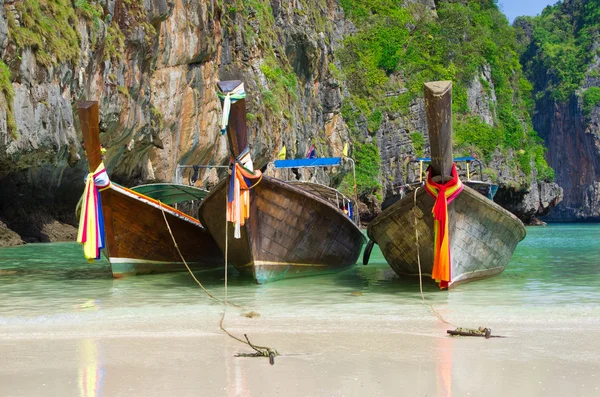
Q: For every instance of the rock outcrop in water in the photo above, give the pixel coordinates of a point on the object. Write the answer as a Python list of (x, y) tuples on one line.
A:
[(561, 55), (153, 66)]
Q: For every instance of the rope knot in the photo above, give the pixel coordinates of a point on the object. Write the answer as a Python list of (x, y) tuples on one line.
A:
[(243, 178)]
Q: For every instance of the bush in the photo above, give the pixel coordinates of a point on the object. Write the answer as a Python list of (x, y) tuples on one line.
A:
[(7, 90), (367, 160), (591, 99), (418, 142)]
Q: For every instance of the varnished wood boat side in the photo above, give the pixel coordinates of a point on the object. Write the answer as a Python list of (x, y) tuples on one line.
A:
[(137, 238), (139, 232), (290, 232)]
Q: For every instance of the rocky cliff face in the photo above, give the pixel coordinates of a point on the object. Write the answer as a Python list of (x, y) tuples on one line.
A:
[(153, 66), (443, 40), (573, 142), (567, 117)]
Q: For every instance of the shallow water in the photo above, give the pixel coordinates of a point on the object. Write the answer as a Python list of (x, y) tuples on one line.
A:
[(554, 276), (67, 328)]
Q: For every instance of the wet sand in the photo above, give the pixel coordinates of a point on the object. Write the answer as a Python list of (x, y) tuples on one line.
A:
[(371, 355)]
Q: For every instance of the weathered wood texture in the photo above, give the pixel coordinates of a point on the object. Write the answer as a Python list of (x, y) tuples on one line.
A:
[(88, 117), (438, 106), (483, 236), (137, 238), (139, 241), (290, 232)]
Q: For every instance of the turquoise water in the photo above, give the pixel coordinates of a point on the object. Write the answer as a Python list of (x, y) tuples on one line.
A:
[(554, 275)]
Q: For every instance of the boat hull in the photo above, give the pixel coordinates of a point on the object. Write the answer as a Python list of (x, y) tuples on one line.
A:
[(290, 232), (483, 236), (139, 242)]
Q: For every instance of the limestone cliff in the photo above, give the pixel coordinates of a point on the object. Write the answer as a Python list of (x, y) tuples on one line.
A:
[(561, 56), (471, 44), (153, 66)]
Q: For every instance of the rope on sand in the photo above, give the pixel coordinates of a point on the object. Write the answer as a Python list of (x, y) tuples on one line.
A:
[(481, 331), (260, 351)]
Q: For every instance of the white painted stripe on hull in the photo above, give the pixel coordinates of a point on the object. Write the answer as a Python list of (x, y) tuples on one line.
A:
[(482, 273), (143, 261)]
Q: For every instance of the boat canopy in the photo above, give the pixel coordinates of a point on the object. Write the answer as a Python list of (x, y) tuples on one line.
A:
[(330, 194), (306, 163), (171, 193)]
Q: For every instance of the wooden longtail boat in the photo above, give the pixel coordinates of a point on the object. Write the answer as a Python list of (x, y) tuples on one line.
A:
[(482, 235), (137, 238), (290, 231)]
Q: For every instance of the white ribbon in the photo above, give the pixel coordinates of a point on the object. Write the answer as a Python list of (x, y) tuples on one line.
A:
[(229, 98), (226, 110), (101, 179)]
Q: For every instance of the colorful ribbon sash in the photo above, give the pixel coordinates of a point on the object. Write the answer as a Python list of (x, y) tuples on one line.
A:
[(91, 220), (444, 194), (240, 183)]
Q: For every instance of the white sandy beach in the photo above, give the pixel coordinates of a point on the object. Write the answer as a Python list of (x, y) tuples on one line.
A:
[(368, 356)]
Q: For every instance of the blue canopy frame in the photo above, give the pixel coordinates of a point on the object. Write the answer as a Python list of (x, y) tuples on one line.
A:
[(307, 163), (321, 162), (467, 159)]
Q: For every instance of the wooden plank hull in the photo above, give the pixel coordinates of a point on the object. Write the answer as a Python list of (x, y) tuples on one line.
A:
[(290, 233), (483, 235), (138, 240)]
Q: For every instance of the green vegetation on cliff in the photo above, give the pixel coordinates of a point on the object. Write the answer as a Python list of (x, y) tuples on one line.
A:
[(557, 46), (367, 166), (258, 27), (7, 90), (591, 99), (48, 28), (282, 86), (396, 49)]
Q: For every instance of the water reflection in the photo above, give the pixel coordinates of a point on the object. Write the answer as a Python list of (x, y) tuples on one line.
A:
[(443, 365), (237, 382), (91, 371)]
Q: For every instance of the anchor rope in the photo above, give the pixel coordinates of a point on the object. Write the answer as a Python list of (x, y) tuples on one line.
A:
[(261, 351), (437, 314), (185, 263)]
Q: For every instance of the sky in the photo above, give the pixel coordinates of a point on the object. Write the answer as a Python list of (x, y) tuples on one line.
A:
[(516, 8)]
